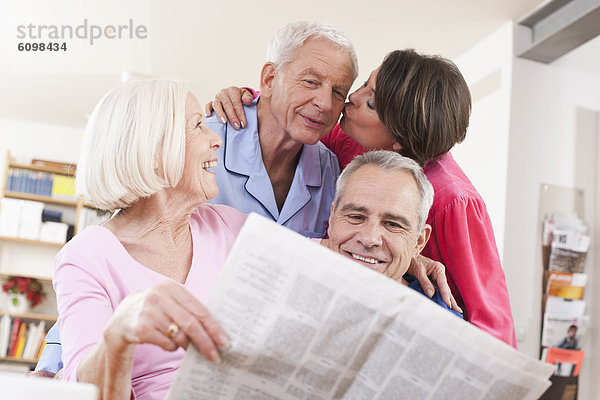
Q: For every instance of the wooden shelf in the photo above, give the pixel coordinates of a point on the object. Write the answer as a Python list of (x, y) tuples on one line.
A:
[(37, 197), (38, 277), (43, 168), (44, 317), (28, 241), (19, 360)]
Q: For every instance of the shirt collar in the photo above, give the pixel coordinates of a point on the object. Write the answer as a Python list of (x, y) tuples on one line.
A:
[(310, 165)]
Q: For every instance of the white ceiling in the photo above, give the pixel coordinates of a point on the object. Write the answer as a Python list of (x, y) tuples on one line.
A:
[(217, 45)]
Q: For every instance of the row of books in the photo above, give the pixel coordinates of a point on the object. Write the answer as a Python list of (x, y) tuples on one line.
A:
[(41, 183), (21, 338)]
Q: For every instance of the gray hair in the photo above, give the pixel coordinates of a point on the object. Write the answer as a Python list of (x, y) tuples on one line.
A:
[(390, 161), (293, 35), (134, 143)]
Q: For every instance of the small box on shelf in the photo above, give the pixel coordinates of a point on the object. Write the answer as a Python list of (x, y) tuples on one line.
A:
[(10, 217), (54, 232), (24, 219)]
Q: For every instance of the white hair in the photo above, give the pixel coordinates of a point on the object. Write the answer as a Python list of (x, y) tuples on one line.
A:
[(293, 35), (390, 161), (134, 143)]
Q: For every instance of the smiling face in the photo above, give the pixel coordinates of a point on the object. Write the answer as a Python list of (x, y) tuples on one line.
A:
[(306, 95), (361, 122), (200, 154), (376, 220)]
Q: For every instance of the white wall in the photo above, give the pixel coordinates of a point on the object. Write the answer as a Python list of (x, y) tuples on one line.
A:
[(27, 140), (483, 155)]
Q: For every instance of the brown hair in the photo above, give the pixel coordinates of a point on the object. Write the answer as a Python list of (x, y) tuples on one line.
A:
[(424, 101)]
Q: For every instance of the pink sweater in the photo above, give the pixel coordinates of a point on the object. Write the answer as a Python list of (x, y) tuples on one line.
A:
[(462, 239), (94, 273)]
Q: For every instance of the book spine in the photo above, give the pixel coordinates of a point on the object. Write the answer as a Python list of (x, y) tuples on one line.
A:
[(13, 336), (33, 341), (39, 181), (29, 336), (48, 180), (29, 182), (18, 184), (5, 329), (10, 180), (21, 339), (42, 345), (39, 340)]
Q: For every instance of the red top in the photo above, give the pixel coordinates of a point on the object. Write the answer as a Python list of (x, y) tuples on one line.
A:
[(344, 147), (462, 239)]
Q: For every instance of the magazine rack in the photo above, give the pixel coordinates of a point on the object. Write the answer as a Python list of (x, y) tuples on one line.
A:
[(568, 202)]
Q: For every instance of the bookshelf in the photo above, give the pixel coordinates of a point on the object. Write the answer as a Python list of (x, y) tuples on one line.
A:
[(22, 337), (34, 257), (49, 186)]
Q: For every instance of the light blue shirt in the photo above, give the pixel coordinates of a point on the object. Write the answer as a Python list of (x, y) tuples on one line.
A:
[(50, 360), (244, 183)]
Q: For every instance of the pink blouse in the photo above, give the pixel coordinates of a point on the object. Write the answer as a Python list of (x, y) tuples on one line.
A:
[(94, 273)]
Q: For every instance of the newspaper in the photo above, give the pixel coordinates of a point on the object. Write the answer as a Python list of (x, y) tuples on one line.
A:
[(307, 323)]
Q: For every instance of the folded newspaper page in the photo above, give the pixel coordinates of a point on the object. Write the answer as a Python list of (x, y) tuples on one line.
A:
[(307, 323)]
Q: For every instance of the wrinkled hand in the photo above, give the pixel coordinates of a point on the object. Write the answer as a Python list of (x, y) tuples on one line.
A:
[(227, 104), (145, 316), (422, 268)]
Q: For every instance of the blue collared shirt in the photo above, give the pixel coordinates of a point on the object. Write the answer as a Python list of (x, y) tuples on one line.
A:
[(414, 284), (50, 360), (244, 183)]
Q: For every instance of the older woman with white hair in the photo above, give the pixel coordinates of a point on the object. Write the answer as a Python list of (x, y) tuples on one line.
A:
[(130, 291)]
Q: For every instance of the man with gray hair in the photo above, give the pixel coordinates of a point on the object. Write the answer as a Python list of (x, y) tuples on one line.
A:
[(275, 165), (379, 212)]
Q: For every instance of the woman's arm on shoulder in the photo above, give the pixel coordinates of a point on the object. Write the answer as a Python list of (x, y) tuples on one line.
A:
[(227, 105)]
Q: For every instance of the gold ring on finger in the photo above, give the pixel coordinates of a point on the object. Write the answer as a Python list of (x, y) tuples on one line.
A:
[(172, 330)]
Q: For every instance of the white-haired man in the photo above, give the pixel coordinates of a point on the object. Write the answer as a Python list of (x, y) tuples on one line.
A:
[(275, 165), (379, 212)]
